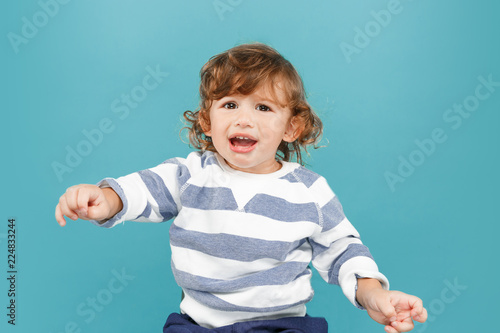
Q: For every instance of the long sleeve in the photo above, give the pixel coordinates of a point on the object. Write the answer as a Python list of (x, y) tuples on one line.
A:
[(338, 253), (150, 195)]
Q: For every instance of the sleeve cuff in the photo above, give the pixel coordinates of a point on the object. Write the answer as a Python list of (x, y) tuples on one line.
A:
[(350, 272), (121, 215)]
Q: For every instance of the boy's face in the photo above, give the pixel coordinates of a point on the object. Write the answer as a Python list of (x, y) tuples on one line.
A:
[(246, 130)]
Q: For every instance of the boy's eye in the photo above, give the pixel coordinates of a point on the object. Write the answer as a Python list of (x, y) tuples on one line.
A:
[(263, 107), (230, 105)]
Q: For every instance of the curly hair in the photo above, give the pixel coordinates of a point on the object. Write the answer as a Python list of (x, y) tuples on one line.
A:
[(242, 70)]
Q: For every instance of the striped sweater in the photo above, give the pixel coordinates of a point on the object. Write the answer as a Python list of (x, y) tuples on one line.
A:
[(242, 243)]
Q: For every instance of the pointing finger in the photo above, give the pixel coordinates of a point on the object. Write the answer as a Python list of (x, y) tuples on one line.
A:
[(65, 210), (59, 216)]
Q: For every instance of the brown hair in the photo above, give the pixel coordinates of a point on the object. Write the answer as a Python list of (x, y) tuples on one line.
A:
[(243, 69)]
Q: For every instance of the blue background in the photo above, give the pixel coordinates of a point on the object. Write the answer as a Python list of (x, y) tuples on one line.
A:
[(438, 227)]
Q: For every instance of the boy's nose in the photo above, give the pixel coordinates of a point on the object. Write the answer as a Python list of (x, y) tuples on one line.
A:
[(244, 118)]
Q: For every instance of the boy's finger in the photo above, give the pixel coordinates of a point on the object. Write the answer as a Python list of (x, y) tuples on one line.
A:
[(421, 316), (65, 210), (418, 311), (59, 216), (71, 197), (388, 310), (390, 329), (403, 326), (82, 202)]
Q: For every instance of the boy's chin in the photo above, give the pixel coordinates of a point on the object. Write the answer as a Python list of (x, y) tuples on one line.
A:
[(239, 165), (252, 167)]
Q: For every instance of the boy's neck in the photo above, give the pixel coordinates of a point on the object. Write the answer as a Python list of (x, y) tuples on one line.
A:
[(257, 170)]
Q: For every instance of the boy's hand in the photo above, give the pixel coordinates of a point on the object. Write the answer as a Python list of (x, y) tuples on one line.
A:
[(392, 308), (87, 202)]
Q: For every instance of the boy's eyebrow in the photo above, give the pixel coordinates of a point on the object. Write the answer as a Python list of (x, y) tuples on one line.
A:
[(272, 101), (266, 100), (258, 97)]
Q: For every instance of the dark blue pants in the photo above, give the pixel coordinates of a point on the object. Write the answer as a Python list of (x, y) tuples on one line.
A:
[(181, 323)]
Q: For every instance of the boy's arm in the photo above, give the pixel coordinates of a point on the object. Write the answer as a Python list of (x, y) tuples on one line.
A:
[(150, 195), (338, 253), (341, 258), (389, 307)]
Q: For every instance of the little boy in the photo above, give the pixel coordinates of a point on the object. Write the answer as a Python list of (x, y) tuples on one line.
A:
[(247, 221)]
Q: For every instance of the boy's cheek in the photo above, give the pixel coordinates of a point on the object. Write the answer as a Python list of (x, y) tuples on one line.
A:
[(273, 127)]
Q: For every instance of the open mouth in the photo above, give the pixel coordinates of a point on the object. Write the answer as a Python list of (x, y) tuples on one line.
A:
[(242, 144)]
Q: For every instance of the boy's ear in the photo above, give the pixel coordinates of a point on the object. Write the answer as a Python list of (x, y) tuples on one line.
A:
[(205, 125), (294, 129)]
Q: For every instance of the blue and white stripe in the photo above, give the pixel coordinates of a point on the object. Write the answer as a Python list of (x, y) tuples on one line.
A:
[(242, 243)]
